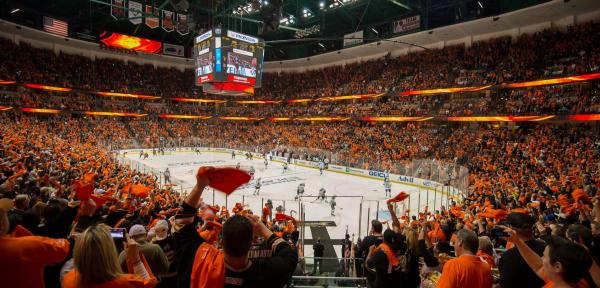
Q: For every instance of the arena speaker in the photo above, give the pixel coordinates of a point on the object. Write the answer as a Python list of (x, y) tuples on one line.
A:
[(180, 6), (271, 15)]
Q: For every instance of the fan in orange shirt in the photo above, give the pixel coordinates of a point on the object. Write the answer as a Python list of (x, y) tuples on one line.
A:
[(23, 258), (467, 270)]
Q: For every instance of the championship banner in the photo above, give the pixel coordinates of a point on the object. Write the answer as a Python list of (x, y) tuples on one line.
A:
[(117, 9), (353, 38), (135, 12), (151, 22), (182, 24), (174, 50), (167, 20), (407, 24)]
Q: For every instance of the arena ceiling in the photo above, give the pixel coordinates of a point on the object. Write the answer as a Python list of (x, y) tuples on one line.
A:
[(301, 22)]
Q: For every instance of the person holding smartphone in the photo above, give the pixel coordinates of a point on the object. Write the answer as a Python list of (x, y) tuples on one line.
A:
[(96, 262)]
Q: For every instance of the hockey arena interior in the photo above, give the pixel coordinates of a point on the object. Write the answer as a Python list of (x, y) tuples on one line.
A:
[(307, 143)]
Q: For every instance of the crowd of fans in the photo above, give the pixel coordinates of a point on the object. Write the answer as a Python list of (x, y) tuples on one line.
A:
[(547, 174), (496, 61), (531, 208)]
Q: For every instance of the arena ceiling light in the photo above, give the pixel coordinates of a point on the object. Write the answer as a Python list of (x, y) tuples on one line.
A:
[(306, 13), (5, 108), (138, 96), (130, 42), (7, 82)]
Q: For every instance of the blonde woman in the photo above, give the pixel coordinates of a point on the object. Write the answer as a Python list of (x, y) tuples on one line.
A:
[(96, 263), (413, 278)]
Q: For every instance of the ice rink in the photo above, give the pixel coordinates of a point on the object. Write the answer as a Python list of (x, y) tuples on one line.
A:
[(358, 198)]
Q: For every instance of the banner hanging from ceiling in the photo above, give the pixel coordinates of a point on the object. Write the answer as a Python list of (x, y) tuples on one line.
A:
[(135, 12), (117, 9), (151, 21), (167, 20), (182, 24)]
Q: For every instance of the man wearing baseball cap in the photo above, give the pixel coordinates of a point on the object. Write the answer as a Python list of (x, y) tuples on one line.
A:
[(514, 271), (156, 258)]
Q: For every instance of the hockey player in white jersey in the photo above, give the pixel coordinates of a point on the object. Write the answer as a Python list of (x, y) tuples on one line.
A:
[(285, 167), (251, 172), (321, 167), (299, 191), (257, 187), (388, 187)]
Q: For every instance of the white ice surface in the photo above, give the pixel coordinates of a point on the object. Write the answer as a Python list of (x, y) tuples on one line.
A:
[(281, 188)]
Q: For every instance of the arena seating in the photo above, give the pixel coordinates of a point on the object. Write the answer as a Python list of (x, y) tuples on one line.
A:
[(547, 171)]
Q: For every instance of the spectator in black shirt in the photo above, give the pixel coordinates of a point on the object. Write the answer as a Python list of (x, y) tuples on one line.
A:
[(318, 248), (194, 256), (387, 274), (514, 271), (374, 239)]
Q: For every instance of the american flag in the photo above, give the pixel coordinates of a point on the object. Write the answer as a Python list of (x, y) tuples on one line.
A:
[(56, 26)]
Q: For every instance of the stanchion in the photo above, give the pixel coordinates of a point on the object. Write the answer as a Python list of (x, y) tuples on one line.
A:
[(368, 218), (435, 198), (419, 204), (360, 219), (377, 214)]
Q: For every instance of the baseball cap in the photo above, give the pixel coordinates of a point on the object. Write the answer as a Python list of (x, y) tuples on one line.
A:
[(520, 220), (136, 230)]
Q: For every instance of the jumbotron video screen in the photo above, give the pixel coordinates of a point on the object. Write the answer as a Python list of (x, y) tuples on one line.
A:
[(227, 56)]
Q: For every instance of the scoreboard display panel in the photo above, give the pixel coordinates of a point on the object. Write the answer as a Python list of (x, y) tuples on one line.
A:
[(227, 56)]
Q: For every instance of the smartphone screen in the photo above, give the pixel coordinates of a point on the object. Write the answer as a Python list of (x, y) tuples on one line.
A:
[(117, 233)]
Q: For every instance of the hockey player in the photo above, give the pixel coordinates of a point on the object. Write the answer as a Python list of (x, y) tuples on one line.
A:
[(386, 175), (167, 175), (388, 187), (153, 152), (321, 167), (141, 154), (237, 166), (332, 203), (251, 172), (285, 167), (266, 163), (322, 194), (257, 187), (299, 191), (232, 154)]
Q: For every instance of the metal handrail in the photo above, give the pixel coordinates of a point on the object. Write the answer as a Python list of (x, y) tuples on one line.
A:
[(329, 278)]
